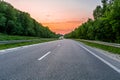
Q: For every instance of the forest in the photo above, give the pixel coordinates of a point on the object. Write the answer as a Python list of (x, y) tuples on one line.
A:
[(104, 27), (16, 22)]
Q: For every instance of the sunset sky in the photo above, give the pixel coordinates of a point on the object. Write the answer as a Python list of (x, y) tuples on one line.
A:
[(61, 16)]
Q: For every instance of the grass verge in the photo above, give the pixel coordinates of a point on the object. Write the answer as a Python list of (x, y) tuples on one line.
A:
[(112, 49), (6, 46), (4, 37)]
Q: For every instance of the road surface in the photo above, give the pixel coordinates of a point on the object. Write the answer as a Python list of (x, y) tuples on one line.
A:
[(57, 60)]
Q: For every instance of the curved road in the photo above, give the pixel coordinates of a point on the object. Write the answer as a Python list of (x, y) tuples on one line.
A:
[(57, 60)]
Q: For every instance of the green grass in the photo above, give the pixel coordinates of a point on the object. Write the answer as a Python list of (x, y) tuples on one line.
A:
[(112, 49), (4, 37), (34, 40), (6, 46)]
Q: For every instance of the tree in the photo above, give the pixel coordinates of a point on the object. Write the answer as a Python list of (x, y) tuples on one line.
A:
[(104, 27), (97, 13), (2, 22), (15, 22)]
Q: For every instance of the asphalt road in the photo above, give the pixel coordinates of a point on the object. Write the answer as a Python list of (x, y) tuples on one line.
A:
[(57, 60)]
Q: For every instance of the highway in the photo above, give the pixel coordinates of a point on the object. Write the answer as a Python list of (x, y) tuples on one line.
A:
[(57, 60)]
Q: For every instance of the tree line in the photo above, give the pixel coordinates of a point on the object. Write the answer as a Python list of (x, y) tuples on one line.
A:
[(104, 27), (16, 22)]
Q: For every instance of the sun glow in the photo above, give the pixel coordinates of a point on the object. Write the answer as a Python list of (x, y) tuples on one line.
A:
[(63, 27)]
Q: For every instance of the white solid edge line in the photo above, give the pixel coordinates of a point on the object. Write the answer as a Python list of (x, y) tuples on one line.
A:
[(44, 55), (106, 62)]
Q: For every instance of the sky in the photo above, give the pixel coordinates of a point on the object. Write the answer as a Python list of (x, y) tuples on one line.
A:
[(61, 16)]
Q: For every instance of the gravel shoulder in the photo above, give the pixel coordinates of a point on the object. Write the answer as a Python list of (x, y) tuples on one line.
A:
[(14, 41), (109, 54), (104, 43), (106, 53)]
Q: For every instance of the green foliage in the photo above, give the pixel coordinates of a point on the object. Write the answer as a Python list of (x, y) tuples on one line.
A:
[(104, 27), (97, 13), (15, 22), (4, 37)]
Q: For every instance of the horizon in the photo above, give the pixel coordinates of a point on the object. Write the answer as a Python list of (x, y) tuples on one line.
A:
[(61, 17)]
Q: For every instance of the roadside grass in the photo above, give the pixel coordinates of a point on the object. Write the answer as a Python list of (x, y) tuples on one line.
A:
[(4, 37), (12, 45), (112, 49)]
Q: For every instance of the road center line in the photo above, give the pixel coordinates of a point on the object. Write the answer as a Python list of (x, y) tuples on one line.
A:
[(44, 55), (106, 62)]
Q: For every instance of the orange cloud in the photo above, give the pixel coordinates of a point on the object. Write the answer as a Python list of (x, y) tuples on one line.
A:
[(63, 27)]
